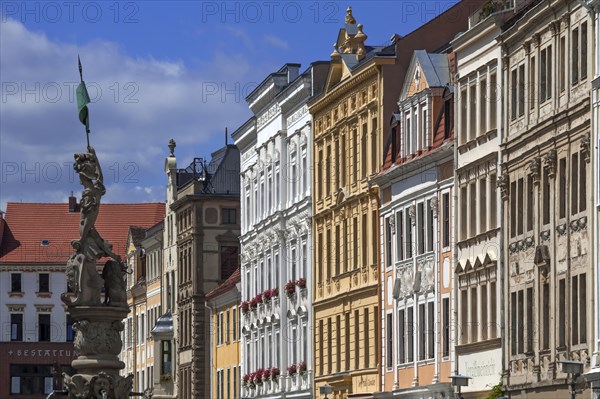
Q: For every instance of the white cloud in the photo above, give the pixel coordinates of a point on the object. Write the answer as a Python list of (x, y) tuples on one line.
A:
[(138, 105), (276, 42)]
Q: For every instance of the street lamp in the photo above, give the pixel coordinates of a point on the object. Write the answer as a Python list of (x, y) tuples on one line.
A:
[(575, 369), (459, 381), (326, 390)]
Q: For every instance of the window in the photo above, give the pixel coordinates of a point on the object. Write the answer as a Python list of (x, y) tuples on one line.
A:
[(578, 310), (483, 106), (402, 337), (482, 201), (545, 197), (473, 209), (366, 328), (388, 242), (389, 341), (356, 339), (429, 226), (399, 235), (420, 228), (530, 210), (337, 249), (44, 282), (227, 327), (228, 216), (546, 74), (463, 212), (410, 331), (16, 327), (409, 242), (578, 183), (493, 201), (15, 282), (513, 94), (327, 175), (529, 320), (446, 327), (545, 316), (220, 328), (229, 260), (472, 111), (30, 379), (562, 61), (493, 99), (44, 327), (575, 56), (520, 208), (365, 241), (464, 103), (562, 171), (70, 333), (363, 150), (166, 357), (355, 246), (234, 325), (532, 86), (584, 51), (347, 339)]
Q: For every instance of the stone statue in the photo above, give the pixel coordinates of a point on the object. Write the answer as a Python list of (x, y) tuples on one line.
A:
[(98, 325), (115, 289)]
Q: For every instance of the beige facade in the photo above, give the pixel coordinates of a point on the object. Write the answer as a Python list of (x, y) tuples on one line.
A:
[(545, 184), (206, 211)]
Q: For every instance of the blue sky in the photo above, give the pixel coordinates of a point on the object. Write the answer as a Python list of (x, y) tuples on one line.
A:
[(155, 70)]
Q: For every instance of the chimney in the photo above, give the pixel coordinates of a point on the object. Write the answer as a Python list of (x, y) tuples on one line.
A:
[(72, 203)]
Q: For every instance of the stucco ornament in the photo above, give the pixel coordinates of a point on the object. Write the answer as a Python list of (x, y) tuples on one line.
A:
[(550, 163)]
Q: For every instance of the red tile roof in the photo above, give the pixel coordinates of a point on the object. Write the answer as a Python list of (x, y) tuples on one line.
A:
[(28, 224), (228, 284)]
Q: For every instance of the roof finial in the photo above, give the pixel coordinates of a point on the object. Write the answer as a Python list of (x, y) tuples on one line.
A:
[(349, 18), (172, 146)]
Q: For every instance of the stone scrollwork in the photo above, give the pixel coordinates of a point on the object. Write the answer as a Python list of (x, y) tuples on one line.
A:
[(502, 185), (94, 338), (434, 206), (534, 168), (550, 163), (585, 147), (99, 386)]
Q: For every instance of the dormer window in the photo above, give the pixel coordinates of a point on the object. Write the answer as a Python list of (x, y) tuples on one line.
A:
[(44, 243)]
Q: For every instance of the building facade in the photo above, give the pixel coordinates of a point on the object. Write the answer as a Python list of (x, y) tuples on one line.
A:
[(477, 278), (224, 303), (361, 92), (547, 200), (276, 316), (206, 212), (36, 344), (165, 344), (594, 7), (144, 287), (416, 184)]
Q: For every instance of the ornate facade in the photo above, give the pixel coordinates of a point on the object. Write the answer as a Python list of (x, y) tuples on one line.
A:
[(477, 280), (276, 234), (416, 229), (547, 201), (206, 212)]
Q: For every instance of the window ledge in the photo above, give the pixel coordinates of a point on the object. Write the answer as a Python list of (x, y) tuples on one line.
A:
[(44, 294), (16, 294)]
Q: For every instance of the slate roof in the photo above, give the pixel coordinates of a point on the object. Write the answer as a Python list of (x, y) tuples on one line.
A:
[(436, 68), (226, 285), (28, 224)]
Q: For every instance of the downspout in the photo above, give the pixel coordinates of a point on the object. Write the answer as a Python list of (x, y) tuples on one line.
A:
[(213, 353)]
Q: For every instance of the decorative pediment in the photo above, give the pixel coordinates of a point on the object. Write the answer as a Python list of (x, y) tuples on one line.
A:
[(341, 196), (302, 311)]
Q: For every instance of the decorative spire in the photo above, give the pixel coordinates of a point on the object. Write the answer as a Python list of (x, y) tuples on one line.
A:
[(172, 146), (335, 56)]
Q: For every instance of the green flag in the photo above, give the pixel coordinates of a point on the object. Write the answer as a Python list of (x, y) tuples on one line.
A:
[(83, 99)]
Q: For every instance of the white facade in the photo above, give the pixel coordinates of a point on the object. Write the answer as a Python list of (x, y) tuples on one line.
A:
[(477, 235), (594, 6), (275, 147)]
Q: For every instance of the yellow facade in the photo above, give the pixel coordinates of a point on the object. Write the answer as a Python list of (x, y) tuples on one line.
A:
[(348, 137), (225, 350)]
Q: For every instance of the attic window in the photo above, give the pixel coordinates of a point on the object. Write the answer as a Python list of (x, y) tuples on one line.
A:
[(44, 243)]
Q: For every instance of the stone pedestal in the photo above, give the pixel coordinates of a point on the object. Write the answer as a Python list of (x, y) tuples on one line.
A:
[(98, 344)]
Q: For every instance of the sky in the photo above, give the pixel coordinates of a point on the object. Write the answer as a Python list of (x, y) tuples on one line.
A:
[(155, 70)]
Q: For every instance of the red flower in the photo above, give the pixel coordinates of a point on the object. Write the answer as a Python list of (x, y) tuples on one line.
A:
[(274, 292), (302, 367), (266, 375), (301, 283), (253, 303), (292, 370), (258, 298), (245, 306), (275, 373), (290, 288), (266, 295)]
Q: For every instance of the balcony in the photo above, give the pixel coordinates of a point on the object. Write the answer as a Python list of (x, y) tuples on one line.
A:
[(492, 7)]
